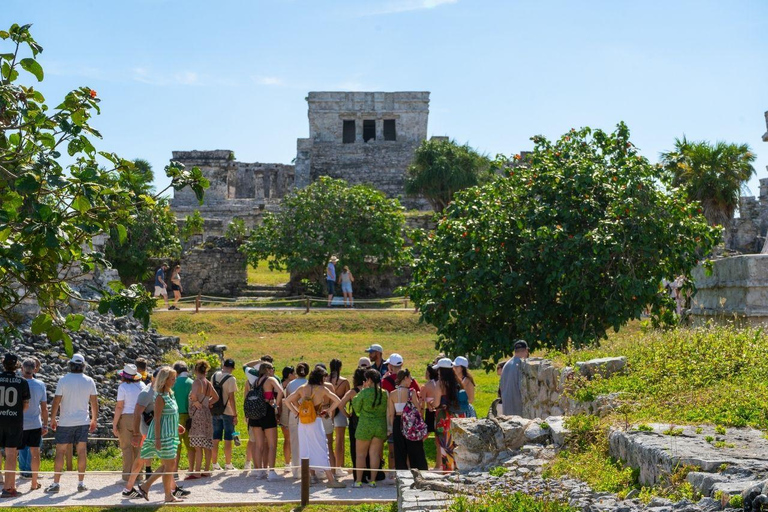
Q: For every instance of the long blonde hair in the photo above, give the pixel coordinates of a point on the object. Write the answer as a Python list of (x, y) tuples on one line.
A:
[(162, 378)]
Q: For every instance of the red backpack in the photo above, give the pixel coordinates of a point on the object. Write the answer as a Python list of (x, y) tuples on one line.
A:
[(413, 425)]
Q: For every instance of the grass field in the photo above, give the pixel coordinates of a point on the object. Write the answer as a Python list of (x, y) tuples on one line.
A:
[(262, 275)]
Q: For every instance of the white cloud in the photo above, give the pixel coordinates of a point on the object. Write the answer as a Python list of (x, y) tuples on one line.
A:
[(396, 6), (268, 80)]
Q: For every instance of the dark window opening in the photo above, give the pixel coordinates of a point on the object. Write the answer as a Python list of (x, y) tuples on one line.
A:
[(349, 132), (369, 129), (389, 130)]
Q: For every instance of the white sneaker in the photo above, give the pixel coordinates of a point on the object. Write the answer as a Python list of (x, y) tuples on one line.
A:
[(216, 467), (274, 477), (247, 466), (230, 467), (340, 473)]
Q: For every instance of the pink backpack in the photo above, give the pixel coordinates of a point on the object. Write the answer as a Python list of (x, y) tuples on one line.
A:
[(413, 426)]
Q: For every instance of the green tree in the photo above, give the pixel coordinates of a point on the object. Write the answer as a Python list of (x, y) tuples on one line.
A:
[(440, 168), (153, 233), (558, 251), (49, 213), (713, 175), (329, 217), (139, 179), (193, 225)]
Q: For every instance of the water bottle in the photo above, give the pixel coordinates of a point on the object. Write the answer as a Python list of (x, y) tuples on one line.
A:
[(236, 438)]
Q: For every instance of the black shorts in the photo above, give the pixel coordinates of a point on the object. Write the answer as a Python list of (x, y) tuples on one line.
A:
[(175, 288), (32, 438), (331, 285), (11, 436), (429, 419), (265, 423)]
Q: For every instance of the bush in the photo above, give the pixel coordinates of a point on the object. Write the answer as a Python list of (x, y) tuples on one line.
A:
[(498, 471), (515, 502)]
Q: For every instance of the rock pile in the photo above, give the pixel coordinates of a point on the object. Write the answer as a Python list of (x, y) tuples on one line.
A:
[(107, 343)]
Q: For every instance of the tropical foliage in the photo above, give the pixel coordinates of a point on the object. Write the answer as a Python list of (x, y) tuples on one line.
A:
[(357, 224), (712, 174), (49, 212), (441, 168), (561, 250)]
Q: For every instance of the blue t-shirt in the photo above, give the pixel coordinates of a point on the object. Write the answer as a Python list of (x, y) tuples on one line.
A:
[(37, 395), (160, 274), (330, 272)]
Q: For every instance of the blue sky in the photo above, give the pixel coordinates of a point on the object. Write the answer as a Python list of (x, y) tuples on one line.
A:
[(181, 75)]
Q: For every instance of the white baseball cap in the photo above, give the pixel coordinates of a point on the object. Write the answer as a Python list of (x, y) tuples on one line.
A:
[(461, 361), (77, 359), (374, 348), (443, 363), (395, 360)]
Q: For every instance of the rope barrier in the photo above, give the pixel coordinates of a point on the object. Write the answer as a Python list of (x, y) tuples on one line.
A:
[(216, 471)]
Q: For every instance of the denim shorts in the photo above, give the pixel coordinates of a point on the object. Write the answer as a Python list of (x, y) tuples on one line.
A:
[(346, 287), (223, 425), (72, 435)]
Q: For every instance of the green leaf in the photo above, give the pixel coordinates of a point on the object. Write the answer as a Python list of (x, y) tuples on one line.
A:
[(4, 34), (41, 323), (81, 204), (55, 333), (122, 234), (74, 321), (68, 348), (33, 67)]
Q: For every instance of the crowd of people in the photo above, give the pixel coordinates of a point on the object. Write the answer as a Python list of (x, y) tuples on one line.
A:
[(160, 414)]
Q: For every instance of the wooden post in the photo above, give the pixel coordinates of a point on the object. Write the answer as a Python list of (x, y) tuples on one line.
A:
[(307, 305), (197, 303), (405, 299), (304, 482)]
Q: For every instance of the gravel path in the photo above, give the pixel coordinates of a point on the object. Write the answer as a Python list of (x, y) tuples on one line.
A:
[(232, 488)]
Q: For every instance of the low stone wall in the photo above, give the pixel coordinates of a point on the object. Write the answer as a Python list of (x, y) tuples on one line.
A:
[(543, 387), (216, 267), (736, 291)]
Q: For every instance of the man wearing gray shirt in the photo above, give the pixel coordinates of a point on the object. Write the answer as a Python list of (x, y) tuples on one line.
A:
[(511, 397)]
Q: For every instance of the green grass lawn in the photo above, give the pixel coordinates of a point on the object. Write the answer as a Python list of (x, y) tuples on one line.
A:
[(262, 275)]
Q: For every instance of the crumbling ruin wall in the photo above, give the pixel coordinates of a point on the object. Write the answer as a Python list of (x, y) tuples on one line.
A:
[(216, 267)]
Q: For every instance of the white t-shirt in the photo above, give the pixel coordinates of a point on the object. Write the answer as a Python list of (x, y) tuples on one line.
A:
[(75, 390), (128, 392)]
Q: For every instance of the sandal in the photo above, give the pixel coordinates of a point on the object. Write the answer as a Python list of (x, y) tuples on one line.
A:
[(205, 475), (144, 494), (192, 477), (35, 488)]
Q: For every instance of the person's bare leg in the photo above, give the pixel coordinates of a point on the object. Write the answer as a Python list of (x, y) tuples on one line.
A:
[(390, 459), (331, 454), (82, 460), (374, 452), (35, 463), (258, 449), (69, 457), (228, 452), (286, 445), (192, 456), (58, 464), (271, 436), (438, 457), (10, 469), (215, 452), (361, 448), (339, 451), (208, 455), (138, 465), (168, 483)]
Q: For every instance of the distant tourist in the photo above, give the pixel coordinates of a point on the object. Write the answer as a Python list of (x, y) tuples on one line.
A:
[(340, 421), (302, 371), (176, 286), (75, 392), (370, 405), (511, 396), (122, 423), (346, 279), (181, 390), (24, 454), (330, 278), (408, 453), (447, 408), (289, 375), (306, 402), (224, 414), (201, 397), (14, 391), (264, 430), (161, 287), (376, 355)]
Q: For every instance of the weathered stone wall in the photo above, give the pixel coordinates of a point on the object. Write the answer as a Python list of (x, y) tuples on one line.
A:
[(216, 267), (737, 290), (238, 190), (543, 387)]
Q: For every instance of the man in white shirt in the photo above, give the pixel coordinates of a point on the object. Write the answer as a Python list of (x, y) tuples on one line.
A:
[(74, 393)]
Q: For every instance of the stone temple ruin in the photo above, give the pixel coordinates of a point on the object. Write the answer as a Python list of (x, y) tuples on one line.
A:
[(361, 137)]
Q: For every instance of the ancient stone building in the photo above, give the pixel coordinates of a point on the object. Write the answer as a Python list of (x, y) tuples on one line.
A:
[(361, 137), (238, 190)]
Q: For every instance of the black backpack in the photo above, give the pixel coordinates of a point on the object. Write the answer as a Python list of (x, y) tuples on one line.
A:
[(221, 404), (255, 406)]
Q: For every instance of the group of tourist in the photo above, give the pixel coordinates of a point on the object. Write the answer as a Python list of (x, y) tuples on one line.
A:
[(345, 279), (159, 413)]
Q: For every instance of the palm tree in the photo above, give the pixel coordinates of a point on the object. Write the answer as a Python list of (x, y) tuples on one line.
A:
[(714, 175), (139, 179)]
